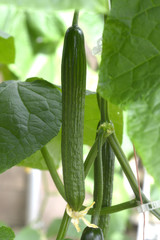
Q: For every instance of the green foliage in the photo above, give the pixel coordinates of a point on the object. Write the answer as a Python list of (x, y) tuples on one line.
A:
[(92, 25), (6, 233), (144, 128), (130, 57), (13, 22), (7, 48), (6, 73), (36, 159), (130, 75), (98, 5), (45, 33), (29, 233), (37, 35), (30, 117)]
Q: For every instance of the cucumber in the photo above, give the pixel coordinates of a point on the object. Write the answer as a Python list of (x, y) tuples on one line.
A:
[(73, 79), (92, 234), (108, 159)]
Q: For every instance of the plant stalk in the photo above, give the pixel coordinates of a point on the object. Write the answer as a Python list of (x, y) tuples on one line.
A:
[(98, 180), (128, 171), (90, 157), (89, 161), (75, 18), (63, 227), (116, 208), (52, 169)]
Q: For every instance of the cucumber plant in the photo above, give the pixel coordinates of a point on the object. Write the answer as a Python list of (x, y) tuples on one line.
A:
[(28, 127), (106, 146)]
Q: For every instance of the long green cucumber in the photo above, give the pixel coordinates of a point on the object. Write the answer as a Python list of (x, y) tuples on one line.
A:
[(108, 159), (73, 78)]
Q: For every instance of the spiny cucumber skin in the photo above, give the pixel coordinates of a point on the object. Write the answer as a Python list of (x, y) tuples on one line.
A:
[(73, 78)]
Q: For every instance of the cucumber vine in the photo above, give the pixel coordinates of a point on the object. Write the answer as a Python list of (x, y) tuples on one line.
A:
[(66, 107)]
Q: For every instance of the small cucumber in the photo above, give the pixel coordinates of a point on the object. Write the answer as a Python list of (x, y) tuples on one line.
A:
[(92, 234), (73, 78)]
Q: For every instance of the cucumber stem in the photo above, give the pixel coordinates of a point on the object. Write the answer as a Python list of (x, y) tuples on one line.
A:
[(98, 180), (116, 208), (52, 169), (112, 139), (90, 158), (103, 106), (92, 155), (75, 18), (63, 227), (88, 163)]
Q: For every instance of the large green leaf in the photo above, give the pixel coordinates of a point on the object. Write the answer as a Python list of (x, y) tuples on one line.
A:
[(130, 73), (7, 48), (91, 120), (131, 51), (144, 130), (6, 233), (96, 5), (30, 116)]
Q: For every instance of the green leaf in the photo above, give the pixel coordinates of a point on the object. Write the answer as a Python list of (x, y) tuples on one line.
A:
[(6, 233), (130, 73), (30, 117), (28, 233), (36, 159), (131, 51), (7, 48), (144, 129), (94, 5)]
